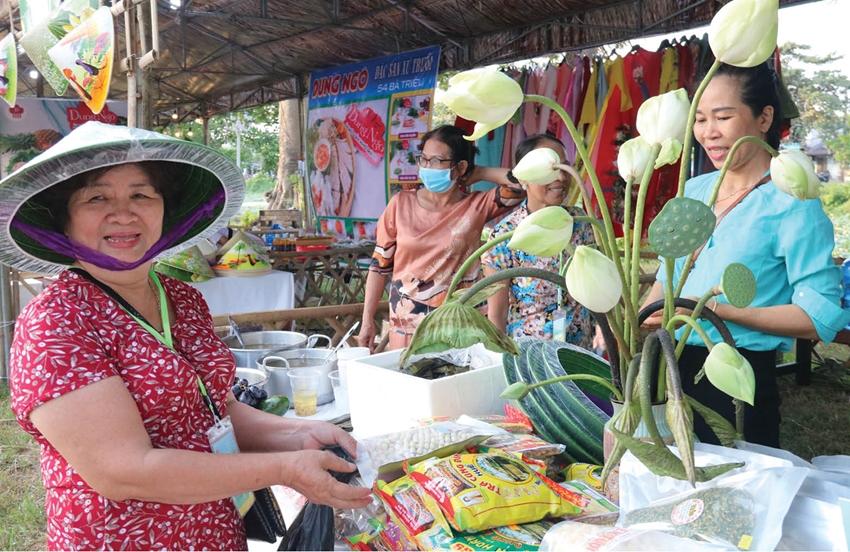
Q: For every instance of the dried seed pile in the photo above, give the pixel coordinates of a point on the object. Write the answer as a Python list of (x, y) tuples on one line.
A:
[(717, 514)]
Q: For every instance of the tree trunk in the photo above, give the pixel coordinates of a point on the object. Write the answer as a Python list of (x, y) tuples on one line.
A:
[(287, 193)]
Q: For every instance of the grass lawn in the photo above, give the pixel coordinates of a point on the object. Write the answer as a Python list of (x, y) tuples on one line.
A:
[(22, 519), (814, 422)]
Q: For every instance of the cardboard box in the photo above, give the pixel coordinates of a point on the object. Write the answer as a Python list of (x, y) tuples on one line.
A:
[(383, 400)]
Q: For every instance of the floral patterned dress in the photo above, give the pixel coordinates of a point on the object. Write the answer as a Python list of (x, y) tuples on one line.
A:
[(72, 335), (424, 249), (533, 301)]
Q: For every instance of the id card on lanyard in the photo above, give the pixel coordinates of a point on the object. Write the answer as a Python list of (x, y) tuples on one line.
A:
[(220, 436)]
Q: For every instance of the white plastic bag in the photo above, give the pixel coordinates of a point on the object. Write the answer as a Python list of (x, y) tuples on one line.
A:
[(639, 486), (743, 511), (572, 536), (814, 520)]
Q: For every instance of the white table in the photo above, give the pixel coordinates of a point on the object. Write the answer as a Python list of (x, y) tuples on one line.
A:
[(237, 295)]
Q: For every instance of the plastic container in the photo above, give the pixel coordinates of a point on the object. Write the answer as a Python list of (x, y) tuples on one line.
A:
[(383, 400)]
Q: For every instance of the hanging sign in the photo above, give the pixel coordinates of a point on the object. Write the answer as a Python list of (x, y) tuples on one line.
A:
[(364, 122)]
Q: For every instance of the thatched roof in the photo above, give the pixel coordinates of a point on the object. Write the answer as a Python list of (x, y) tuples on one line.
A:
[(222, 55)]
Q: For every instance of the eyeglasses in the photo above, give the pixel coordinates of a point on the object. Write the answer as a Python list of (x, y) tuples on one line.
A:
[(433, 162)]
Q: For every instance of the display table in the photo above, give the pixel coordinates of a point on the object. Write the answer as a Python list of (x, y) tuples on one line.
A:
[(234, 295), (336, 276)]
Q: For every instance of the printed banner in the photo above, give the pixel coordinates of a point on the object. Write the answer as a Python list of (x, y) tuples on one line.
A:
[(34, 124), (364, 123)]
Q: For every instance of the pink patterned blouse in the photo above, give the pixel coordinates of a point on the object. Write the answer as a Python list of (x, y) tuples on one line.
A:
[(72, 335)]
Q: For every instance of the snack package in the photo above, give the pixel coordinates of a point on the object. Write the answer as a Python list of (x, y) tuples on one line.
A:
[(527, 536), (588, 473), (597, 509), (743, 511), (480, 491), (382, 455), (413, 510), (573, 536), (530, 446)]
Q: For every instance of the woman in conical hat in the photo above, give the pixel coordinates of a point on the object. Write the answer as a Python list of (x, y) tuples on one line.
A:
[(112, 364)]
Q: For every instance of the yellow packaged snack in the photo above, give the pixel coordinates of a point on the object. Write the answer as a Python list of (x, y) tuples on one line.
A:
[(588, 473), (480, 491)]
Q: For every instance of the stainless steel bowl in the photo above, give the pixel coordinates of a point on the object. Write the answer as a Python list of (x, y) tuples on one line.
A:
[(254, 376), (258, 344)]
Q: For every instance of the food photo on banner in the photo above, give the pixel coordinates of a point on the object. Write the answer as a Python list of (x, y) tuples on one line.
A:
[(32, 125), (364, 123)]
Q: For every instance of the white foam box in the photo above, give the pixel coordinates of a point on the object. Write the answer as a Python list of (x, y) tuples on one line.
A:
[(383, 400)]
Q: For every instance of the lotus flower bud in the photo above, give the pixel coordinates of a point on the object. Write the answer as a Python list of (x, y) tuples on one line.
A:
[(730, 372), (515, 391), (633, 158), (486, 96), (743, 33), (593, 281), (544, 233), (664, 118), (538, 167), (793, 172)]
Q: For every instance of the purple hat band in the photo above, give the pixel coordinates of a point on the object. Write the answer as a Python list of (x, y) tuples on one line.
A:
[(60, 243)]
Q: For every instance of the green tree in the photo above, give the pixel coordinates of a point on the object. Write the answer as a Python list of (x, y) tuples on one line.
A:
[(823, 98)]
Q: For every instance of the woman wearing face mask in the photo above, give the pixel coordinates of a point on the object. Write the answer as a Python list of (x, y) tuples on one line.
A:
[(528, 307), (424, 235)]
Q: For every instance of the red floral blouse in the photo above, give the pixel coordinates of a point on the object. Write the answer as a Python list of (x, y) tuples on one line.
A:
[(72, 335)]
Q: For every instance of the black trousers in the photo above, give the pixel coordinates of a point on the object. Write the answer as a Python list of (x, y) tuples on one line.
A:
[(761, 421)]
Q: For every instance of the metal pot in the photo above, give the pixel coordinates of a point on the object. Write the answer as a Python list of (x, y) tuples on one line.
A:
[(259, 344), (254, 376), (278, 363)]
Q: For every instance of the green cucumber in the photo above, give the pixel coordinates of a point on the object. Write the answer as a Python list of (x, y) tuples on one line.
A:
[(276, 404)]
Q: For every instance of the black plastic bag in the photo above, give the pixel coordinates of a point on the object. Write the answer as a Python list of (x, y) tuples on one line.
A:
[(313, 528)]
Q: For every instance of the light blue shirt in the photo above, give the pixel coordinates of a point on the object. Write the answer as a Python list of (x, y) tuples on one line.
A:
[(787, 243)]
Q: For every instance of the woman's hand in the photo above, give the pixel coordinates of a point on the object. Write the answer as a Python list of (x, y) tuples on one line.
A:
[(311, 434), (306, 471), (599, 340), (653, 322), (368, 331)]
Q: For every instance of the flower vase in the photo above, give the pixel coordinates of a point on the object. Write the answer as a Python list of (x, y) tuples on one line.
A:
[(659, 412)]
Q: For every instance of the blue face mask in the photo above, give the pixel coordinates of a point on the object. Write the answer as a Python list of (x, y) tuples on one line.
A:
[(438, 181)]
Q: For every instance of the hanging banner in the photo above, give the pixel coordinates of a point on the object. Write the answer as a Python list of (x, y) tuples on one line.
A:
[(34, 124), (364, 122)]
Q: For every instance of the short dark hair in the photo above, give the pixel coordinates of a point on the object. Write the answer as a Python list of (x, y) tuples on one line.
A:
[(759, 88), (461, 148), (532, 142), (165, 177)]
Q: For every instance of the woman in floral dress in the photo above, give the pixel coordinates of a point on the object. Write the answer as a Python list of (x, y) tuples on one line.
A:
[(527, 307)]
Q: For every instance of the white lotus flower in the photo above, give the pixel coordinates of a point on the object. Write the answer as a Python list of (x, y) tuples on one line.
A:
[(486, 96), (793, 172), (538, 167), (743, 33), (544, 233), (730, 372), (633, 158), (593, 281)]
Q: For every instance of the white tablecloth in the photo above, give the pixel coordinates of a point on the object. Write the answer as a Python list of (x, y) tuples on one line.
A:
[(235, 295)]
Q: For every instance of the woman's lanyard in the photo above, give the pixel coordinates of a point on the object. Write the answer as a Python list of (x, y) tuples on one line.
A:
[(164, 337)]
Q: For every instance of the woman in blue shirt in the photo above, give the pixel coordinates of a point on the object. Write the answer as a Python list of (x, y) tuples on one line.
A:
[(787, 244)]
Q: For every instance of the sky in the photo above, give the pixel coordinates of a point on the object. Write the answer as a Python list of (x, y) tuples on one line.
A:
[(822, 25)]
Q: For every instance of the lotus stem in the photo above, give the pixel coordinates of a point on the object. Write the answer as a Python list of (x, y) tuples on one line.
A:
[(685, 161), (739, 416), (613, 358), (589, 377), (627, 226), (634, 288), (675, 386), (689, 260), (598, 228), (648, 366), (708, 314), (671, 327), (471, 259), (597, 190), (669, 308), (696, 314)]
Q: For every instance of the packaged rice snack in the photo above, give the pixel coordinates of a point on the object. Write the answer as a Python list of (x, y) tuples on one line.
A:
[(527, 536), (530, 446), (598, 510), (413, 510), (588, 473), (480, 491)]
